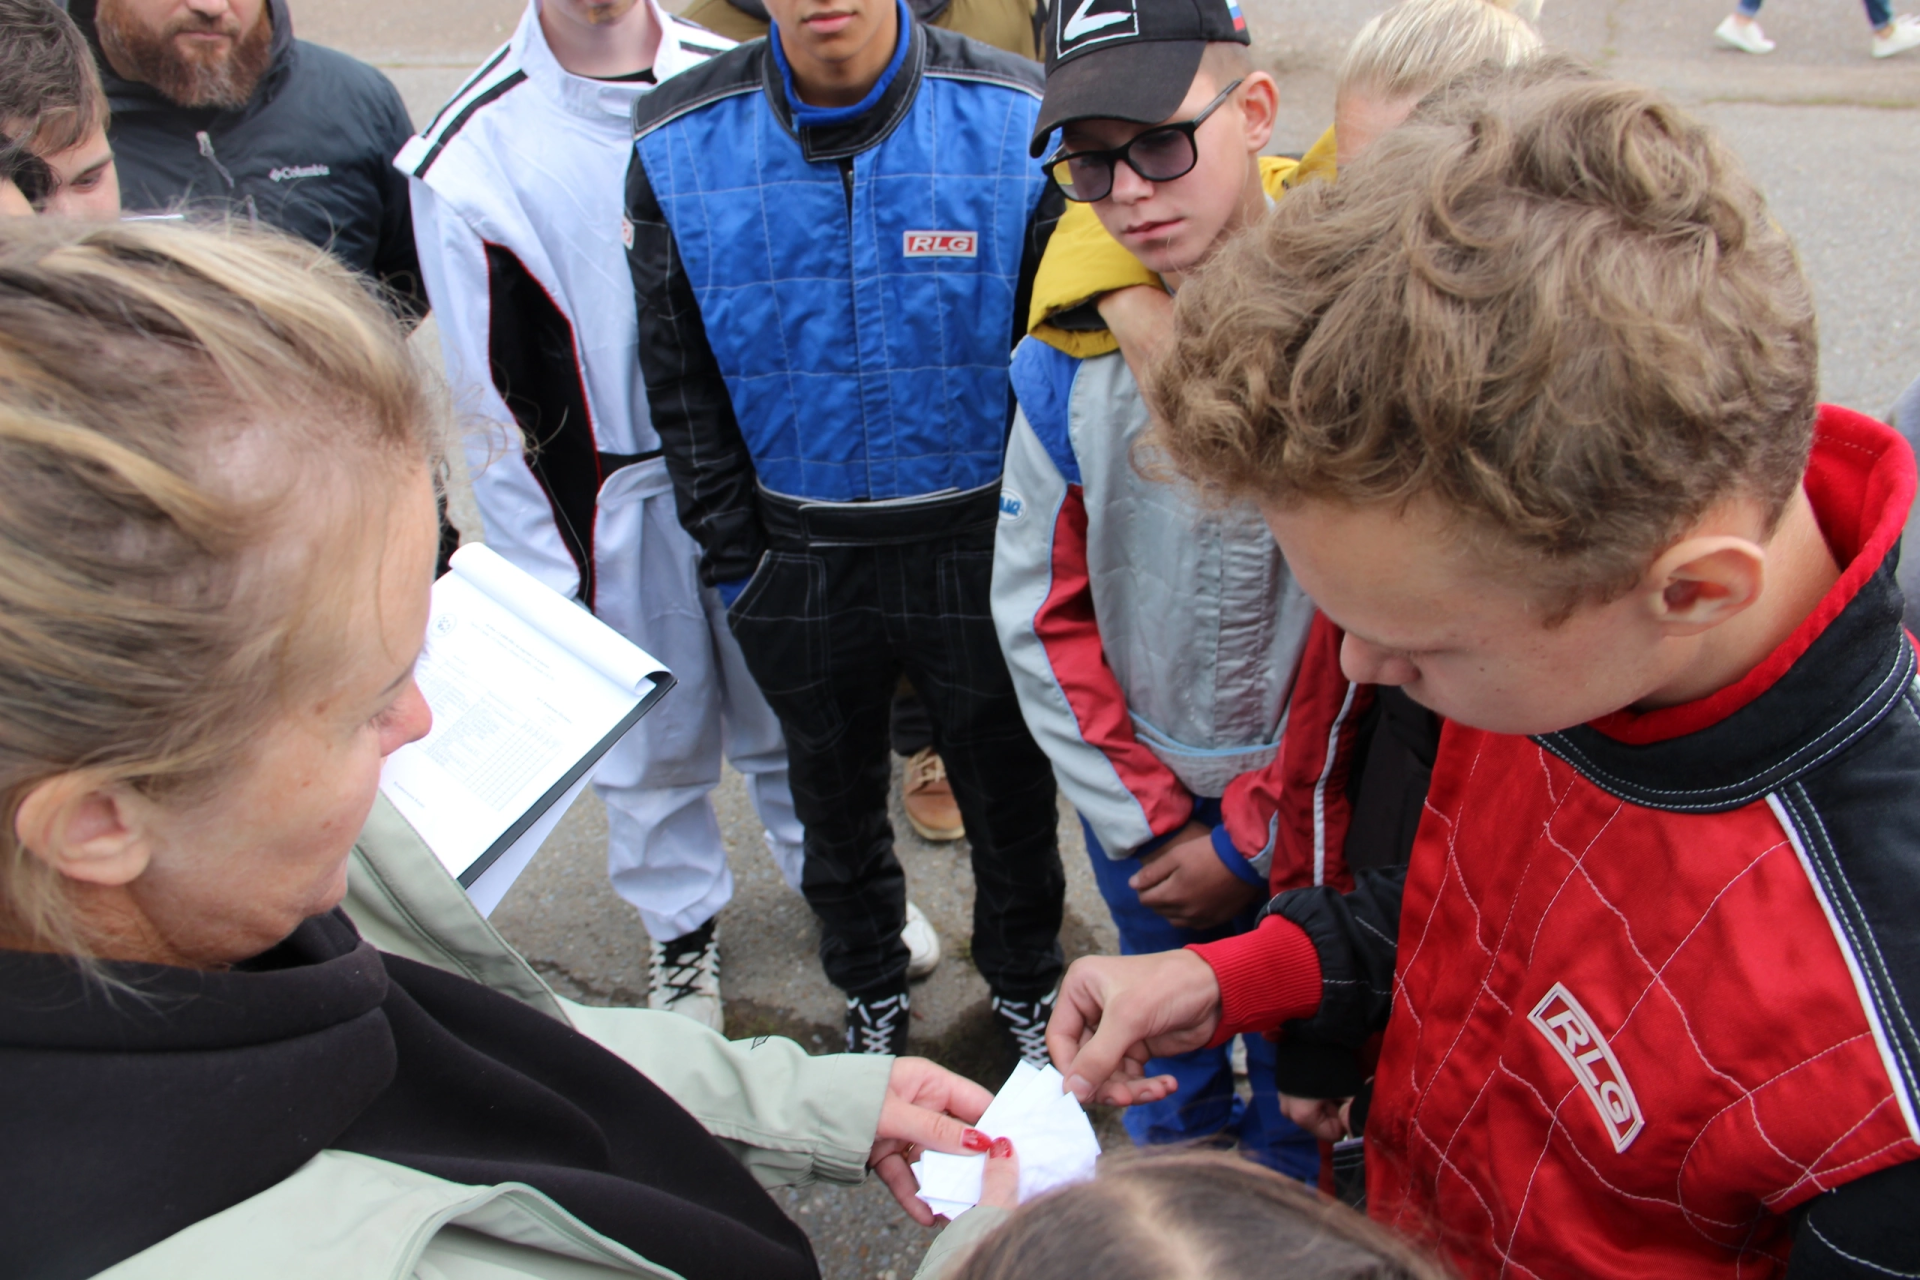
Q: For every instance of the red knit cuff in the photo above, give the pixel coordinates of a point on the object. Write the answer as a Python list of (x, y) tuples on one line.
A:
[(1266, 977)]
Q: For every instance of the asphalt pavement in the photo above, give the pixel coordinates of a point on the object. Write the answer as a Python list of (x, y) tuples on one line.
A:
[(1833, 138)]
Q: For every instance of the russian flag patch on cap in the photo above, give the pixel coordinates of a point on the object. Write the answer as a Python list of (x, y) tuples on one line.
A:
[(1239, 19)]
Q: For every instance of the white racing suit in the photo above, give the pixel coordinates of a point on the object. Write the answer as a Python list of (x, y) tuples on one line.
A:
[(517, 187)]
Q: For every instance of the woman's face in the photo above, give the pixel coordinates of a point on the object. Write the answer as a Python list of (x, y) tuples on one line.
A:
[(233, 875)]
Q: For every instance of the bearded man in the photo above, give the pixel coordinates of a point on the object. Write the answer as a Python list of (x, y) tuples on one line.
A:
[(216, 107)]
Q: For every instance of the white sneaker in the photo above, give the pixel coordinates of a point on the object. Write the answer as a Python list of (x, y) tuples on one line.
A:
[(1747, 36), (685, 977), (1901, 35), (923, 944)]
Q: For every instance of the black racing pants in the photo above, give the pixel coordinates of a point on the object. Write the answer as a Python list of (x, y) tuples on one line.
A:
[(848, 598)]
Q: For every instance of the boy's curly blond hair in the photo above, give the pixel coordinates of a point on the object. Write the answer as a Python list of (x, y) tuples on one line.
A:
[(1552, 302)]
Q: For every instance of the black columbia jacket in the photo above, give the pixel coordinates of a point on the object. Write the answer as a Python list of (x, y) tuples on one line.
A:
[(311, 153)]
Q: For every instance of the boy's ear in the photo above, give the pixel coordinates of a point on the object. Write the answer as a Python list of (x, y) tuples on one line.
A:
[(85, 828), (1259, 108), (1699, 583)]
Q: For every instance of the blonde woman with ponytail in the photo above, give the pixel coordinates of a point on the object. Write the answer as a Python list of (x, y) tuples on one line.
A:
[(217, 534)]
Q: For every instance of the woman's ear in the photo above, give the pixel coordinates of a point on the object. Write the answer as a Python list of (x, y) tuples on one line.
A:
[(1699, 583), (85, 828)]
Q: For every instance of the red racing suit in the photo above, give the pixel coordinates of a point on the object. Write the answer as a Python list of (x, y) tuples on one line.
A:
[(1653, 981)]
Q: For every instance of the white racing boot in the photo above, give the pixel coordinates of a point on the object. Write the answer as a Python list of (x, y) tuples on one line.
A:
[(685, 976)]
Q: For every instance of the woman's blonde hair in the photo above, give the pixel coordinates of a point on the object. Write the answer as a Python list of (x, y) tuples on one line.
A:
[(1191, 1215), (1418, 45), (196, 424)]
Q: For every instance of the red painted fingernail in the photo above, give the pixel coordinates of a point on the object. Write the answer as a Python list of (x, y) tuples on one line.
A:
[(1002, 1148), (974, 1140)]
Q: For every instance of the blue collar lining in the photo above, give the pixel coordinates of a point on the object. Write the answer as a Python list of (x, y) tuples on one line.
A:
[(810, 117)]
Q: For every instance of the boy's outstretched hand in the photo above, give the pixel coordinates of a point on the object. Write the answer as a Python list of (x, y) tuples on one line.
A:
[(1188, 885), (1115, 1012), (927, 1108)]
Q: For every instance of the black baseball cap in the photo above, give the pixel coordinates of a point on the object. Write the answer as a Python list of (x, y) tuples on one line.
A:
[(1127, 59)]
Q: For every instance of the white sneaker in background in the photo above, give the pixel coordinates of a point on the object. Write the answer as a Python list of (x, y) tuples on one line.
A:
[(685, 977), (923, 944), (1902, 34), (1745, 36)]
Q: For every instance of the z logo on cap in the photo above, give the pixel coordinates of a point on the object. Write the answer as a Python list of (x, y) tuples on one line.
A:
[(1085, 27)]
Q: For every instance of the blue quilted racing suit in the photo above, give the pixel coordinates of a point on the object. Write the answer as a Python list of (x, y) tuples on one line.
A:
[(827, 302)]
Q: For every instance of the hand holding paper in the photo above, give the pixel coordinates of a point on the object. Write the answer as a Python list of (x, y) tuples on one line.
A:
[(930, 1108), (1050, 1132)]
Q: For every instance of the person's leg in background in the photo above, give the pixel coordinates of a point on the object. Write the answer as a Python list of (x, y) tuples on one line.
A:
[(1892, 33), (1205, 1104), (935, 596), (1265, 1132), (665, 855), (1741, 29), (755, 746), (926, 795), (808, 632)]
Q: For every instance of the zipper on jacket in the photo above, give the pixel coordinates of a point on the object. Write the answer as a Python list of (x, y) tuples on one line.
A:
[(206, 149), (846, 180)]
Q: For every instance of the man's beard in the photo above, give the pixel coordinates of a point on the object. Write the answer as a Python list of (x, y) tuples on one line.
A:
[(208, 79)]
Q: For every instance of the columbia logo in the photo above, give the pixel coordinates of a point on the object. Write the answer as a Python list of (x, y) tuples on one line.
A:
[(941, 244), (287, 173), (1565, 1024)]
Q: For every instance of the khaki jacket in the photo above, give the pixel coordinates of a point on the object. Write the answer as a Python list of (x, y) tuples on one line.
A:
[(790, 1118)]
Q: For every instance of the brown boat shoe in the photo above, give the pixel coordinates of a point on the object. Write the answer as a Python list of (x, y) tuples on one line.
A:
[(928, 798)]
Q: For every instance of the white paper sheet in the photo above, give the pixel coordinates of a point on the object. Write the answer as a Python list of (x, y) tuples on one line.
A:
[(1050, 1132), (492, 886), (523, 684)]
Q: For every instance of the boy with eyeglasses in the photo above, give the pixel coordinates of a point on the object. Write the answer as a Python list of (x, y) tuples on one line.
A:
[(1152, 641)]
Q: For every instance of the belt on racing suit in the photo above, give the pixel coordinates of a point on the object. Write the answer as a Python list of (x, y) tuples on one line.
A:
[(793, 523)]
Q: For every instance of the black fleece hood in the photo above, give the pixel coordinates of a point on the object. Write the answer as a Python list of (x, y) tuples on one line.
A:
[(133, 1113)]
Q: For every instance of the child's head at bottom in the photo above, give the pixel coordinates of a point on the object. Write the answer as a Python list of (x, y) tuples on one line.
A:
[(1203, 1215), (1526, 398)]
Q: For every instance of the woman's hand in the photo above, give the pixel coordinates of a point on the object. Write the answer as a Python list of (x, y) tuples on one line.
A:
[(927, 1108), (1115, 1012), (1000, 1183)]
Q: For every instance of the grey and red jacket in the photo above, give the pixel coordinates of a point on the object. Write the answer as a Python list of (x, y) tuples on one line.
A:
[(1152, 640), (1649, 986)]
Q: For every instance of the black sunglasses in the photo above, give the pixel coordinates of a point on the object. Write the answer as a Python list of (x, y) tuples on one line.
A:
[(1161, 154)]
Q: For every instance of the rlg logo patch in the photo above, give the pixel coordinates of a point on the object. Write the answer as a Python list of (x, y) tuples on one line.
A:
[(1565, 1024), (941, 244)]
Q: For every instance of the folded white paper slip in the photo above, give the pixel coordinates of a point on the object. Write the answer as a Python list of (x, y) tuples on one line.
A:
[(528, 691), (1050, 1134)]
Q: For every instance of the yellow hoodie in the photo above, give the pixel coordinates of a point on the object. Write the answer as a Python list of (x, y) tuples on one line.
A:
[(1082, 261)]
